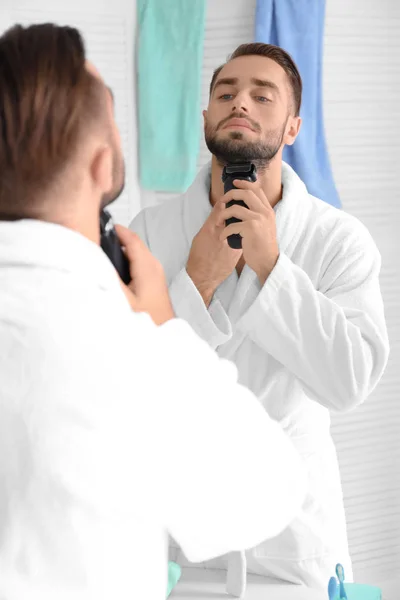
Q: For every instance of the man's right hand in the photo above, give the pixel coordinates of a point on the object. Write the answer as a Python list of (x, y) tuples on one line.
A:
[(211, 261), (148, 290)]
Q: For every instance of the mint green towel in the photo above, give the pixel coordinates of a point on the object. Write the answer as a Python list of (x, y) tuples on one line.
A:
[(170, 56), (174, 574)]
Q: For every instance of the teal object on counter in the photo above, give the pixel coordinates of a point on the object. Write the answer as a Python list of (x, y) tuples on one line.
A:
[(340, 575), (332, 588), (357, 591), (170, 57), (174, 574), (339, 590)]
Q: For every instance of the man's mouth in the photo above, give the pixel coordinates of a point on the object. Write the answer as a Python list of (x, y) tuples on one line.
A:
[(238, 124)]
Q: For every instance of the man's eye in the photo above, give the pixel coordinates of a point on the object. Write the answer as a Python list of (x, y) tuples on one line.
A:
[(226, 96), (263, 99)]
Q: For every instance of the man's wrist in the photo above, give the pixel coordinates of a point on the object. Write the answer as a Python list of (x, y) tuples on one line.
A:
[(207, 296), (265, 271), (205, 290)]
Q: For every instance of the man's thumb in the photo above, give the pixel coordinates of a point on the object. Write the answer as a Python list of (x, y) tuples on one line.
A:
[(128, 239)]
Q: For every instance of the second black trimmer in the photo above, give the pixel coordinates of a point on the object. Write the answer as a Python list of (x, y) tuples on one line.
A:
[(231, 172)]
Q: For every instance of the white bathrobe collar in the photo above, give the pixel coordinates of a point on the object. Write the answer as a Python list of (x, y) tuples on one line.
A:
[(238, 293), (197, 207)]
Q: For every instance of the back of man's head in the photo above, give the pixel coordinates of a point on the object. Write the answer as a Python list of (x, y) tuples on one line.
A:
[(50, 103)]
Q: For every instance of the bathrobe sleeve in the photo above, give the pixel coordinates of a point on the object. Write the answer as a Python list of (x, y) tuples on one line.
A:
[(239, 480), (212, 324), (333, 339)]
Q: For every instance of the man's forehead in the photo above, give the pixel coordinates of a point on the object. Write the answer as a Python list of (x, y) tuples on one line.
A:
[(96, 73), (93, 70), (245, 68)]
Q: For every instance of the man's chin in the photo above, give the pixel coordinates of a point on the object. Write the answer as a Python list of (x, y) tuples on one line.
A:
[(237, 134)]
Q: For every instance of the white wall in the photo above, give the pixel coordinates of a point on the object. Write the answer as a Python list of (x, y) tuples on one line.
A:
[(362, 94)]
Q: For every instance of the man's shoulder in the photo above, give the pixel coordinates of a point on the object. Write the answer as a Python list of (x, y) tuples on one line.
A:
[(74, 347), (62, 312), (160, 213), (161, 228)]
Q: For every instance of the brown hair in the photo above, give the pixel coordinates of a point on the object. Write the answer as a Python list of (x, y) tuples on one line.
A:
[(280, 56), (48, 100)]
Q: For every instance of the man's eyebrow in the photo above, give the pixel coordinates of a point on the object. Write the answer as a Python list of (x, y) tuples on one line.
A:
[(265, 83), (255, 81), (226, 81)]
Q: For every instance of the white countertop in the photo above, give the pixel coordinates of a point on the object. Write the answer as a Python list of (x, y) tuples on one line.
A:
[(207, 584)]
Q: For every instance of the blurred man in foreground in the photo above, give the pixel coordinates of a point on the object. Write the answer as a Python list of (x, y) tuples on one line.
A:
[(96, 399)]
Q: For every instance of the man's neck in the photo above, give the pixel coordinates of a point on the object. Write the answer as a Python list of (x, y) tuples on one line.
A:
[(90, 230), (85, 221), (269, 180)]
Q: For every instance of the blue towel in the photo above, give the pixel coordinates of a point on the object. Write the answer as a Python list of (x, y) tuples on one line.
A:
[(297, 26), (170, 54)]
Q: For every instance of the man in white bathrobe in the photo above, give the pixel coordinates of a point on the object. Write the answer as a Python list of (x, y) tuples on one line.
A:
[(90, 391), (298, 309)]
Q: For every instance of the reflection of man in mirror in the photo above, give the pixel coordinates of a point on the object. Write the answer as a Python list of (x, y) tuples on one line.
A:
[(298, 309)]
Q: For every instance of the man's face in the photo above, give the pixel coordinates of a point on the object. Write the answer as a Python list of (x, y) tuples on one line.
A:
[(250, 111), (118, 158), (115, 144)]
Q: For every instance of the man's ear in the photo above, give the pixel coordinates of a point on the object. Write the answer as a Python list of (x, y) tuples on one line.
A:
[(292, 131), (102, 169), (204, 113)]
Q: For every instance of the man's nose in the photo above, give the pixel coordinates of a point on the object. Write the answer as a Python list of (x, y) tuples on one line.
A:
[(241, 103)]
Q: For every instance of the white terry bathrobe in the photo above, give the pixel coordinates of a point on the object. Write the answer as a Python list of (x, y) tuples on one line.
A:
[(311, 340)]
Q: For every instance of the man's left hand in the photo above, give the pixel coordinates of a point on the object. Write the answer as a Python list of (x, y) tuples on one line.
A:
[(257, 227)]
